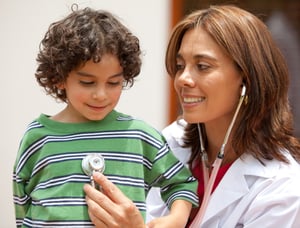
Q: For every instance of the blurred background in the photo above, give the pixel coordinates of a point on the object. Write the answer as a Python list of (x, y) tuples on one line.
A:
[(152, 98)]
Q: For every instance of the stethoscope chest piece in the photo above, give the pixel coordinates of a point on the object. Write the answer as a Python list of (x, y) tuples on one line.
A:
[(93, 163)]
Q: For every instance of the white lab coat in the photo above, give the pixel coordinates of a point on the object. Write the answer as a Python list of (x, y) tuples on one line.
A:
[(173, 134), (250, 195)]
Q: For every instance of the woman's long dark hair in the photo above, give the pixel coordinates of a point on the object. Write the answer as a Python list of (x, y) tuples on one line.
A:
[(264, 125)]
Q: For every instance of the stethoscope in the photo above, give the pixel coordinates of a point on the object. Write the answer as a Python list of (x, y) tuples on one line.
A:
[(92, 163), (209, 181)]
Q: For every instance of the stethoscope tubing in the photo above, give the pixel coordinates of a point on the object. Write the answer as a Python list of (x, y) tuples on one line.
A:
[(209, 181)]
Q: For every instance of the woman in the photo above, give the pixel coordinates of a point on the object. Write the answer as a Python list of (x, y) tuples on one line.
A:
[(232, 83)]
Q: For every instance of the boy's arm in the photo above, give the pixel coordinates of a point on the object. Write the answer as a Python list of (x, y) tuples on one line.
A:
[(21, 200), (178, 217)]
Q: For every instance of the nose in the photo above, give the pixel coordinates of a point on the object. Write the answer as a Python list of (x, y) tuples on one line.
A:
[(99, 93), (185, 78)]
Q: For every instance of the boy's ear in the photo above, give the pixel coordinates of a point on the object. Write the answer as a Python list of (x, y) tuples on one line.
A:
[(60, 85)]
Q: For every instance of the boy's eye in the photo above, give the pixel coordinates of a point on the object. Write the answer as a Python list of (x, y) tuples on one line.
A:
[(115, 83), (86, 82)]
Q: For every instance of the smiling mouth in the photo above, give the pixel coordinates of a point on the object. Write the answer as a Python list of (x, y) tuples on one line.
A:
[(96, 107), (193, 99)]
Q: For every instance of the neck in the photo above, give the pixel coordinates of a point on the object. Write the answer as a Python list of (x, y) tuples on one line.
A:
[(229, 156), (215, 140)]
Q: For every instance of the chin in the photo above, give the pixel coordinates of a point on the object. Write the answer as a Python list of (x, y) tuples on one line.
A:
[(96, 119), (191, 119)]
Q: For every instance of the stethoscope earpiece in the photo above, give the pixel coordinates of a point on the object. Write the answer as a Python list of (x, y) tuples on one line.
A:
[(243, 92)]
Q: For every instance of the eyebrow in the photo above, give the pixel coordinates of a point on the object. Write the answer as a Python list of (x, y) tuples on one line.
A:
[(84, 74), (198, 56)]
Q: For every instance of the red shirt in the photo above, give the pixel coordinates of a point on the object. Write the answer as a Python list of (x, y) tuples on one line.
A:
[(197, 172)]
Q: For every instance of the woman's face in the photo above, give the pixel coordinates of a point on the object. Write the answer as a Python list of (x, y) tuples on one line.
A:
[(207, 81), (93, 90)]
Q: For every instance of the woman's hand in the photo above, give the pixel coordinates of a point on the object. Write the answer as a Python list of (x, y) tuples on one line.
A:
[(111, 208)]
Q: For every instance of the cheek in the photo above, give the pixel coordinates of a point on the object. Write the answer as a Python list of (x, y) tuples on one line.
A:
[(176, 86), (77, 94), (227, 101), (117, 94), (113, 94)]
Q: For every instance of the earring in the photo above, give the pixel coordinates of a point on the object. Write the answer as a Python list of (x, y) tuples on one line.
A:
[(246, 100)]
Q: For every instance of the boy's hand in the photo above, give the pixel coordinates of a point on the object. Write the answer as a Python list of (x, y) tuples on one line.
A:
[(178, 217)]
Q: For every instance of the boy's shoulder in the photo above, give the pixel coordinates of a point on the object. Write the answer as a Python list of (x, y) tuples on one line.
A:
[(33, 126), (134, 123)]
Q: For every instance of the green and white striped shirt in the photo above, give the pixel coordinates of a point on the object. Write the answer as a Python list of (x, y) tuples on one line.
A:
[(48, 179)]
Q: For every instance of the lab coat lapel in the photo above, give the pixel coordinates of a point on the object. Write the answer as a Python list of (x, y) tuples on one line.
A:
[(233, 185)]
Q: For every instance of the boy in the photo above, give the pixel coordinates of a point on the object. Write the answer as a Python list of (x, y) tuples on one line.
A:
[(85, 60)]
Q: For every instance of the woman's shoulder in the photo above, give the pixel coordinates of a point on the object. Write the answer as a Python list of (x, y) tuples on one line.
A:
[(267, 172), (175, 131)]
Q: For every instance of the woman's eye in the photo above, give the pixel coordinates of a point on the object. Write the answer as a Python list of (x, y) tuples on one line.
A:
[(179, 67), (202, 66)]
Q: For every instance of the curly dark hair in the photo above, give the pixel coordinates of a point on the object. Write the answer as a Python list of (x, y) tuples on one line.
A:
[(84, 35)]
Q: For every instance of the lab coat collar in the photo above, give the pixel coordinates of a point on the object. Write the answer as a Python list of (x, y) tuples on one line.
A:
[(234, 186)]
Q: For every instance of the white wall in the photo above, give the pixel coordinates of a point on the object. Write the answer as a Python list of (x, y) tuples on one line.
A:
[(22, 26)]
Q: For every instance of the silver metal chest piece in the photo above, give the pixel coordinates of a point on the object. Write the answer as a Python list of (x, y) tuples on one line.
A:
[(93, 163)]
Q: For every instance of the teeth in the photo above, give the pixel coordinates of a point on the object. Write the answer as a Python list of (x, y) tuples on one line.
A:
[(193, 99)]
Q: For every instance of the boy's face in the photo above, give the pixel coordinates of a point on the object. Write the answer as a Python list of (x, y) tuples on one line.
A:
[(93, 90)]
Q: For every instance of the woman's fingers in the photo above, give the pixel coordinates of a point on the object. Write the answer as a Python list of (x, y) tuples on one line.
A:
[(111, 208), (110, 190), (97, 222), (99, 216), (117, 204)]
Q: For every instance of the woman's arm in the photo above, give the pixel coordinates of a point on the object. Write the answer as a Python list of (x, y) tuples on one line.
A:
[(111, 208)]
